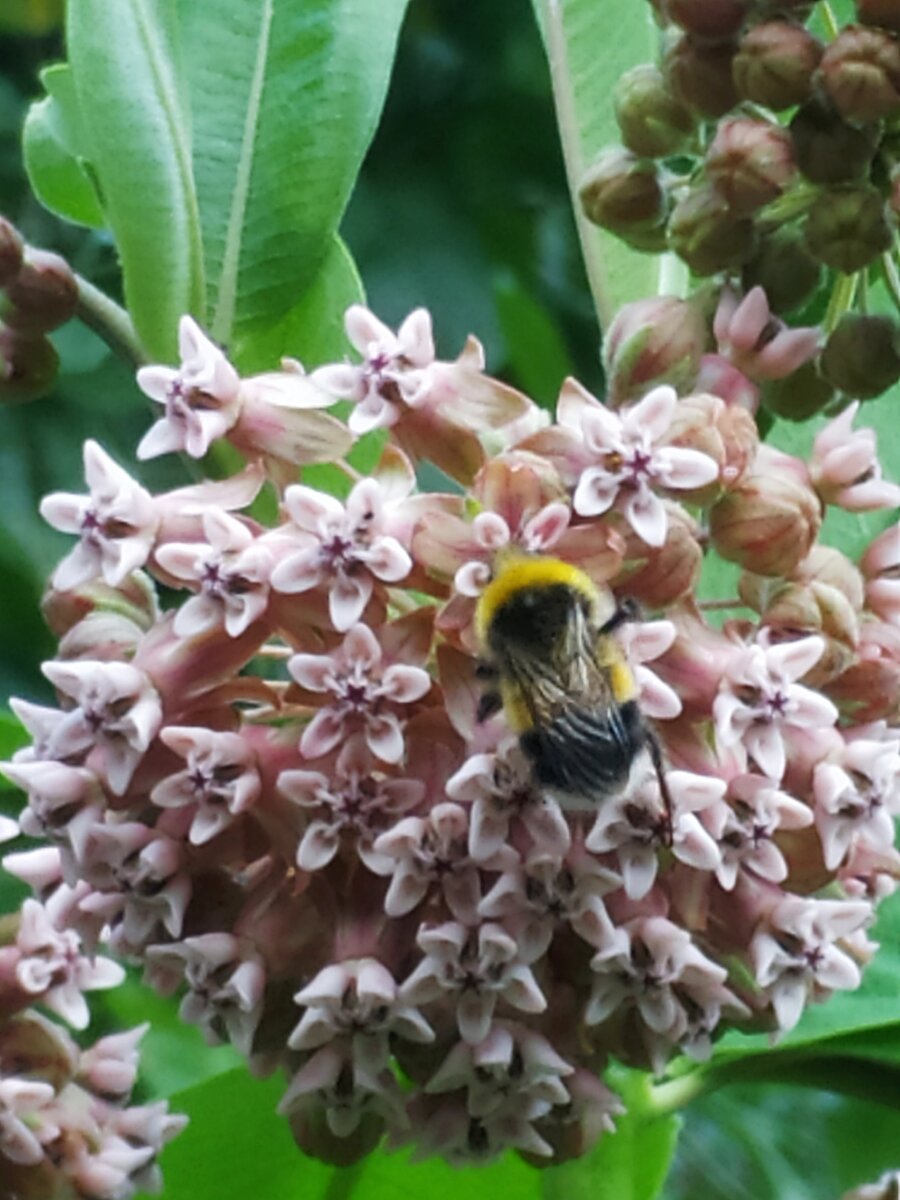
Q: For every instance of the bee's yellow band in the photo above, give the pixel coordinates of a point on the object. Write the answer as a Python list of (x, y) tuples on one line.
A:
[(515, 572)]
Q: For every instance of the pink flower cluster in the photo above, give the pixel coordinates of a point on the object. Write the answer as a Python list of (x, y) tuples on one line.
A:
[(274, 793)]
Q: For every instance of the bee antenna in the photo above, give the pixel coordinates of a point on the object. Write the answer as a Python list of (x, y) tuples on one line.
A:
[(655, 751), (627, 610)]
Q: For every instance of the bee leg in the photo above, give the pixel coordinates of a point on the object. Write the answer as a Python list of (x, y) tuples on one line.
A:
[(490, 703), (655, 752), (628, 610)]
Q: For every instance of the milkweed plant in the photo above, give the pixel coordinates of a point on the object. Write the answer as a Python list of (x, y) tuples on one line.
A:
[(254, 775)]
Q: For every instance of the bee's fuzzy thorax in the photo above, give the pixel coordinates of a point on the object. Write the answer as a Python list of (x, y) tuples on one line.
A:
[(515, 572)]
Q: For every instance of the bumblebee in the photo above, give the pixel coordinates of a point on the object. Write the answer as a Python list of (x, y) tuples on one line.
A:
[(549, 660)]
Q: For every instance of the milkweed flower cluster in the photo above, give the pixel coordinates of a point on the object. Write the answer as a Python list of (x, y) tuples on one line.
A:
[(264, 781)]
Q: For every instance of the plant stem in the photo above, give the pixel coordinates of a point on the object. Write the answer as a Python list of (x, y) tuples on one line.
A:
[(342, 1182), (668, 1097), (674, 278), (831, 26), (716, 605), (564, 101), (109, 321), (841, 300), (891, 277)]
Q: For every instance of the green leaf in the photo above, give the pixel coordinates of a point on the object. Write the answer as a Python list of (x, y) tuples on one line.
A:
[(53, 146), (32, 17), (137, 136), (589, 45), (535, 347), (285, 100), (313, 329)]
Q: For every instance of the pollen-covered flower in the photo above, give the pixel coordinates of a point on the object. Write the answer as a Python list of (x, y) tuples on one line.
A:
[(365, 695), (626, 458)]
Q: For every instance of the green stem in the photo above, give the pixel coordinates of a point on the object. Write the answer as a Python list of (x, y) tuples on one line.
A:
[(832, 28), (342, 1183), (891, 277), (564, 101), (669, 1097), (841, 300), (674, 278), (109, 321)]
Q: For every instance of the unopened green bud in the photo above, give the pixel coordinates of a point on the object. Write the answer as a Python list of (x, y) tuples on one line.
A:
[(862, 355), (750, 162), (28, 366), (11, 249), (713, 19), (705, 232), (699, 74), (799, 395), (784, 268), (775, 62), (847, 228), (43, 295), (860, 72), (652, 122), (826, 148), (885, 13), (656, 340), (621, 191)]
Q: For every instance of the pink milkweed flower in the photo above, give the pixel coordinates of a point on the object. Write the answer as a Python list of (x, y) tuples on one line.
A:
[(109, 1068), (201, 397), (225, 985), (57, 796), (796, 955), (352, 805), (117, 714), (364, 694), (8, 829), (643, 642), (476, 967), (344, 547), (636, 826), (231, 569), (626, 458), (513, 1064), (760, 702), (53, 969), (220, 782), (844, 466), (345, 1091), (357, 1000), (857, 798), (27, 1119), (744, 828), (449, 1129), (759, 344), (881, 567), (116, 523)]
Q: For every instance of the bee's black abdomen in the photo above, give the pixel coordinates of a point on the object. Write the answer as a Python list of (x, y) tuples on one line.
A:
[(587, 753)]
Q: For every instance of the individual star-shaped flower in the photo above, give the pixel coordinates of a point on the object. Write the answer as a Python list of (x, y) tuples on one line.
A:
[(364, 695), (53, 969), (342, 547), (117, 523), (201, 397), (627, 459), (27, 1119), (636, 826), (117, 712), (344, 1091), (355, 801), (857, 798), (844, 466), (231, 569), (220, 782), (757, 343), (477, 967), (760, 703), (357, 999), (797, 956)]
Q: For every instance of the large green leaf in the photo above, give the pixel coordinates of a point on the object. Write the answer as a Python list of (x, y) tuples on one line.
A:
[(285, 98), (53, 144), (136, 123), (589, 45)]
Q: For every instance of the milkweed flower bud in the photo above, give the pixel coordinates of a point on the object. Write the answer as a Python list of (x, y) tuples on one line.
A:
[(798, 396), (860, 72), (784, 268), (846, 228), (704, 231), (828, 149), (699, 74), (622, 192), (659, 340), (652, 122), (28, 366), (767, 523), (879, 12), (714, 19), (43, 294), (775, 62), (750, 162), (881, 567), (12, 249), (862, 355)]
